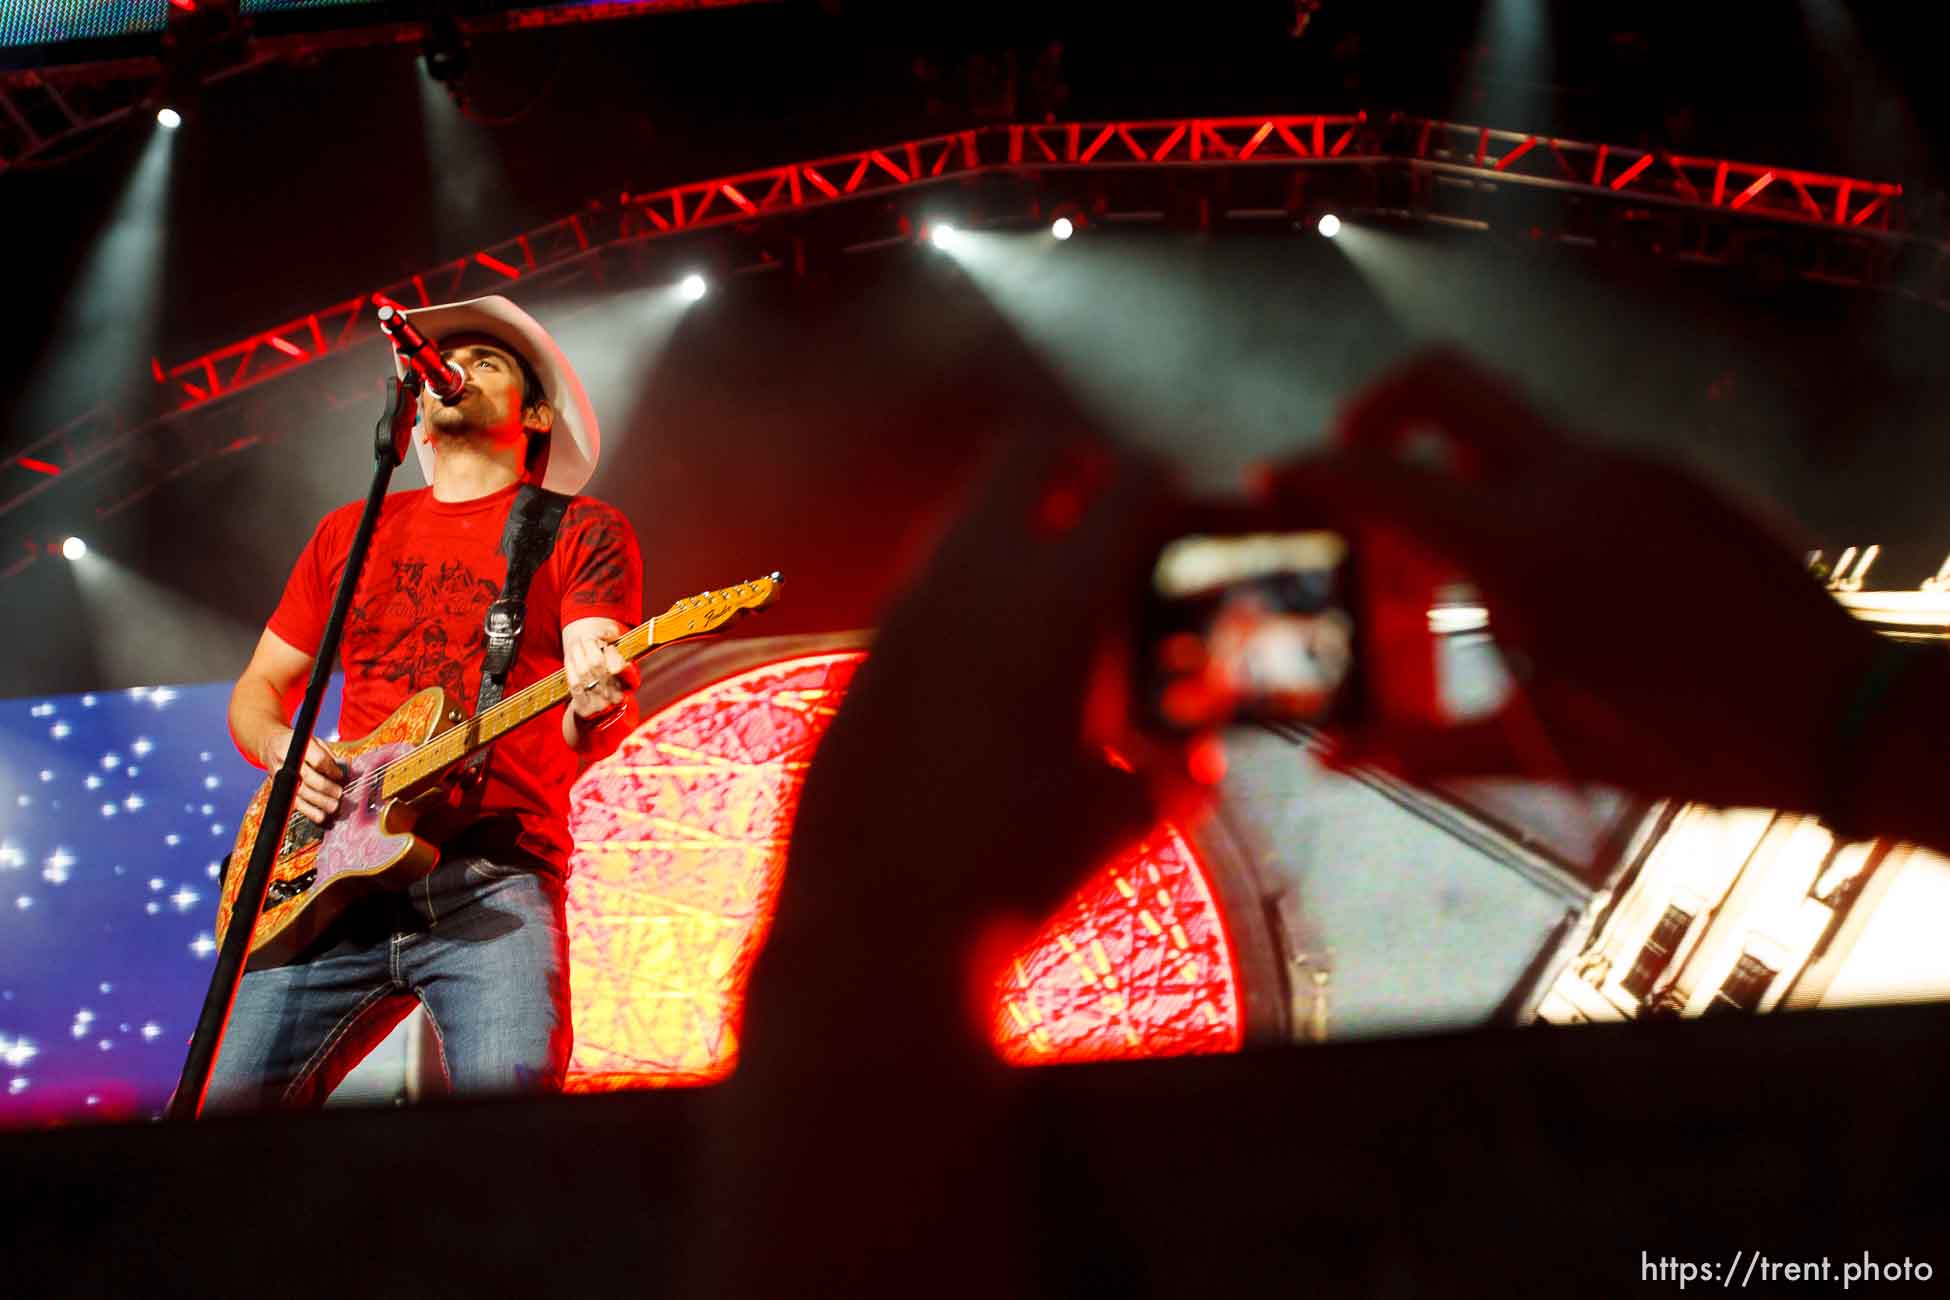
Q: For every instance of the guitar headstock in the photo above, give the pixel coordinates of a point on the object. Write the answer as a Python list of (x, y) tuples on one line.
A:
[(710, 610)]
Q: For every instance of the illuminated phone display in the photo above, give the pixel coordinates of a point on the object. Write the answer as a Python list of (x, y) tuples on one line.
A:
[(1256, 625)]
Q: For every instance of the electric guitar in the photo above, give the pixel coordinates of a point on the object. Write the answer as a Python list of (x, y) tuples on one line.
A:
[(368, 844)]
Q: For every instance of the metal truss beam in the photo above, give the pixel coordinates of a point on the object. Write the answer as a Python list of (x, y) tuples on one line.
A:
[(1781, 193), (38, 116), (1721, 189)]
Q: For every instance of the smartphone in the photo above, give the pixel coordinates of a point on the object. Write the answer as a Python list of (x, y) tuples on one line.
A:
[(1250, 625)]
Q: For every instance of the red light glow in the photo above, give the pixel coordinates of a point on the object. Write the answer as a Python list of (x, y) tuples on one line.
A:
[(680, 845), (1136, 964), (1207, 761), (496, 265), (1624, 178), (1061, 510), (37, 465), (1745, 196)]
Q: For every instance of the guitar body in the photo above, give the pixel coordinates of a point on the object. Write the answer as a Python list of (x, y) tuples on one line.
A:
[(367, 845)]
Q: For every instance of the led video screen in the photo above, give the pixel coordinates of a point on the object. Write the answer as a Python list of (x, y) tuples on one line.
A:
[(48, 22)]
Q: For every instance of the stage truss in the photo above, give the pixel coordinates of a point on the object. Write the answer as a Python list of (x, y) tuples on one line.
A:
[(1855, 231)]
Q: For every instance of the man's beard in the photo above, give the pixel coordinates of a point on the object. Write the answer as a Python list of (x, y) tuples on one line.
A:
[(454, 423)]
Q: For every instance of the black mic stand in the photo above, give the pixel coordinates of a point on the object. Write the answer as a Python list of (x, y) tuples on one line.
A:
[(390, 441)]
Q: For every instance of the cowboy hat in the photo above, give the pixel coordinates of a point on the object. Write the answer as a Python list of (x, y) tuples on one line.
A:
[(571, 459)]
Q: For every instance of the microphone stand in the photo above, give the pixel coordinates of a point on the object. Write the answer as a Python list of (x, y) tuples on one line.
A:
[(390, 441)]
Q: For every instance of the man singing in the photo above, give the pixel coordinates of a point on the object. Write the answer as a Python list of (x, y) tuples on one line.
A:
[(480, 942)]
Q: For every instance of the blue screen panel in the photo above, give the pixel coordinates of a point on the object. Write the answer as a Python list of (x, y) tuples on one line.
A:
[(40, 22), (115, 809), (36, 22)]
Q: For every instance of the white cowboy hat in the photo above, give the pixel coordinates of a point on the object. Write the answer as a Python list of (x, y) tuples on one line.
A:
[(571, 458)]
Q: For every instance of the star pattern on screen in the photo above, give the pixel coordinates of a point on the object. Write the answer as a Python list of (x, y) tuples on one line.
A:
[(116, 809)]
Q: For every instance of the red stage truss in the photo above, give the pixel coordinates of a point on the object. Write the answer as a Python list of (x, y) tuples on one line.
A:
[(1863, 214), (1785, 193), (1776, 192)]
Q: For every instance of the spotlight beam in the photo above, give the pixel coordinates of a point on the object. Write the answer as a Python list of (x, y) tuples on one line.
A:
[(103, 334), (1141, 342), (184, 640)]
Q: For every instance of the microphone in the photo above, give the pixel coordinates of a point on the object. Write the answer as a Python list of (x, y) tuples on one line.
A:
[(443, 378)]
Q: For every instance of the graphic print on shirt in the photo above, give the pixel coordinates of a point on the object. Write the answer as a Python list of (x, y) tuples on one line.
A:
[(603, 577), (434, 614)]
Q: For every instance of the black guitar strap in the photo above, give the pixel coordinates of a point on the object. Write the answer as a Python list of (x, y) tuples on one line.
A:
[(527, 541)]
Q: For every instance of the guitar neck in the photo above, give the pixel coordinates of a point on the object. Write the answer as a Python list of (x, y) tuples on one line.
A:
[(705, 612), (432, 759)]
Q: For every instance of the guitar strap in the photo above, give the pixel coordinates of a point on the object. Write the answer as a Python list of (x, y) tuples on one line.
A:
[(526, 541)]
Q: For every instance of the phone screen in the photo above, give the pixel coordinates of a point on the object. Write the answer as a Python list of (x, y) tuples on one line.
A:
[(1251, 625)]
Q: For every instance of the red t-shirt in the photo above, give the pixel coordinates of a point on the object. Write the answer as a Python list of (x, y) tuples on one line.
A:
[(416, 621)]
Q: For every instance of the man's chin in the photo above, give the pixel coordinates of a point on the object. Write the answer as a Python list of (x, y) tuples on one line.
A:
[(451, 422)]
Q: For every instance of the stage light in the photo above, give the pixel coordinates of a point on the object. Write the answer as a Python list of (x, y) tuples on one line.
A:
[(200, 40), (943, 236), (1330, 225), (1062, 228), (692, 287), (74, 548), (443, 52)]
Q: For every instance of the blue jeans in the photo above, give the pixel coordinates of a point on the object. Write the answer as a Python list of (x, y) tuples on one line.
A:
[(481, 944)]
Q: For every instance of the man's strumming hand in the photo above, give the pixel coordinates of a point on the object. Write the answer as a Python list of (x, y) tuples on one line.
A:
[(601, 682), (318, 792)]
